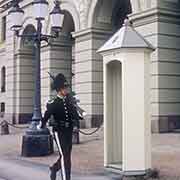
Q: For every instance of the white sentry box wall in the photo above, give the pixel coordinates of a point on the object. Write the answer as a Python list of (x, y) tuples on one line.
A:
[(127, 125)]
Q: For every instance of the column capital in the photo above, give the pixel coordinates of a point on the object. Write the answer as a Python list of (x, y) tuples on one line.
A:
[(90, 31)]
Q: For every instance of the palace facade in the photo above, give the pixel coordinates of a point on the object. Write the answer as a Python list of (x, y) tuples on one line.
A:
[(87, 25)]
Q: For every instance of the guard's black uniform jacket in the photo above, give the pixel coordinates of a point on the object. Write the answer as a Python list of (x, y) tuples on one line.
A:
[(65, 117), (64, 113)]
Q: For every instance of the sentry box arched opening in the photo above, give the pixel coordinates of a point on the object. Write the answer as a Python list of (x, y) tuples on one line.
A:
[(113, 107)]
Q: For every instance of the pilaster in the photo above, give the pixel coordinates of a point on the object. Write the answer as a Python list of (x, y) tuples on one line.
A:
[(24, 84), (89, 73), (10, 74)]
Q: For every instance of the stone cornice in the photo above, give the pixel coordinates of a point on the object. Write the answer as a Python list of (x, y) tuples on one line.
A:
[(89, 31), (154, 15)]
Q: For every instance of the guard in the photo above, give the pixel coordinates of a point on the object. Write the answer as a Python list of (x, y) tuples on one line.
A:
[(65, 118)]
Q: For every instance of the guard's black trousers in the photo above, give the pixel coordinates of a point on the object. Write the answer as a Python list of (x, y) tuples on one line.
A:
[(64, 142)]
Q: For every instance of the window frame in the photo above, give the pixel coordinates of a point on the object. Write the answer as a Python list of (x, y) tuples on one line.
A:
[(2, 109), (3, 79), (3, 28)]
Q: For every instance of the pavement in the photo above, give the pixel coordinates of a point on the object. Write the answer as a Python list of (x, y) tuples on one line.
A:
[(87, 158), (19, 170)]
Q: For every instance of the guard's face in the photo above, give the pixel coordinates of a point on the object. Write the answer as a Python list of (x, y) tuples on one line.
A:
[(64, 91)]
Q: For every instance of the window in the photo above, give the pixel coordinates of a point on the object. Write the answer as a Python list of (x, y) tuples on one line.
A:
[(3, 35), (2, 109), (3, 79)]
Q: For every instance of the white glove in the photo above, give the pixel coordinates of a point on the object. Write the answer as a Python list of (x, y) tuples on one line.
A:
[(39, 125)]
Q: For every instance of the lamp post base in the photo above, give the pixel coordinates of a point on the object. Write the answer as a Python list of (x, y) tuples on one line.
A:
[(37, 142)]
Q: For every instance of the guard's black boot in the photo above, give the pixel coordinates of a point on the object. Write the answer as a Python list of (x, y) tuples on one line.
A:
[(52, 173), (68, 174)]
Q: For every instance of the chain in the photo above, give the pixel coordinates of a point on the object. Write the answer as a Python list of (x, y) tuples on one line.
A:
[(12, 125), (91, 133), (80, 131)]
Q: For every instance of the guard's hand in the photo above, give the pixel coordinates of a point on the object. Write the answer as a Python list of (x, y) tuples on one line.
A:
[(76, 129), (41, 125)]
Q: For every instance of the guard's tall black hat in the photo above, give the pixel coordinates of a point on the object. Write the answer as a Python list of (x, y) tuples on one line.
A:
[(59, 82)]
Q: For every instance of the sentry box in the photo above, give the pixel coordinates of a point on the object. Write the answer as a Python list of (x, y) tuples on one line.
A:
[(127, 125)]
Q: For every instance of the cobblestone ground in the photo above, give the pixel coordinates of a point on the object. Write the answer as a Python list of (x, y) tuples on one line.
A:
[(87, 157)]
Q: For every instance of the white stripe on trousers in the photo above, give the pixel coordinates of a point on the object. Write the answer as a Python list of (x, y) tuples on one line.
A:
[(62, 156)]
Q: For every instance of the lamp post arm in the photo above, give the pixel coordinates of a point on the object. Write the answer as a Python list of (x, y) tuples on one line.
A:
[(43, 37), (33, 36), (38, 36)]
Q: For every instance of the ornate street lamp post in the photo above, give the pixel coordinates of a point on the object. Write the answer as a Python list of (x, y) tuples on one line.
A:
[(37, 142)]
